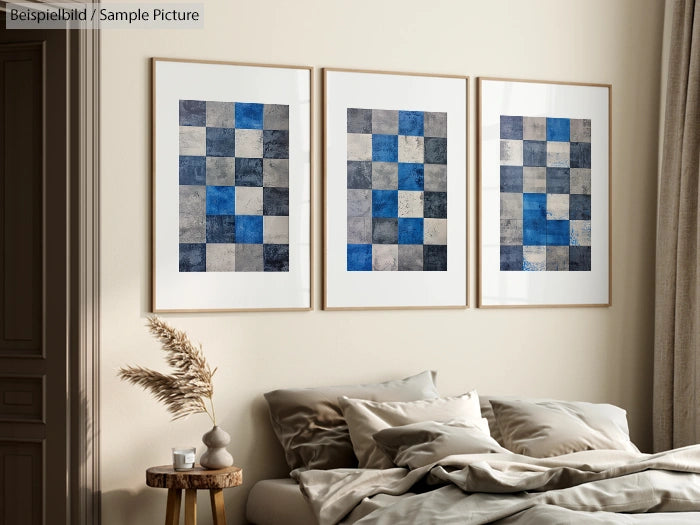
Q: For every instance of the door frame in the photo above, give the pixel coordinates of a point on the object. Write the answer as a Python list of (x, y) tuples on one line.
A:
[(84, 419), (83, 144)]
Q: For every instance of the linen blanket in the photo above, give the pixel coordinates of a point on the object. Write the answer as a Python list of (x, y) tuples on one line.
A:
[(598, 486)]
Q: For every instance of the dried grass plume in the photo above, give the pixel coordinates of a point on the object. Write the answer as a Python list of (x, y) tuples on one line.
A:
[(187, 388)]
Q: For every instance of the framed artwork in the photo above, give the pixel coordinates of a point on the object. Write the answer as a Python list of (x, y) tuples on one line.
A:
[(544, 193), (231, 186), (395, 190)]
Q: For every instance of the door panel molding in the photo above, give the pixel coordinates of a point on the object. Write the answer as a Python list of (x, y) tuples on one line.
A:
[(21, 398), (26, 459), (22, 278)]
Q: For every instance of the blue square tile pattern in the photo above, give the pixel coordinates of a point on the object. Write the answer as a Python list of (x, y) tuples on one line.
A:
[(411, 176), (221, 200), (558, 130), (249, 229), (359, 258), (390, 190), (218, 220), (385, 203), (545, 179), (249, 115), (385, 148), (410, 231), (411, 123)]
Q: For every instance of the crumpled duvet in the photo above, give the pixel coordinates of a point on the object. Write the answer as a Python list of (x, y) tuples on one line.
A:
[(597, 486)]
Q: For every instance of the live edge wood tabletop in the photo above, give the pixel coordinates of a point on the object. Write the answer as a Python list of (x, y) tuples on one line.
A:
[(166, 477)]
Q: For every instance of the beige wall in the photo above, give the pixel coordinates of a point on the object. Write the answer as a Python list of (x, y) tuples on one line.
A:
[(599, 354)]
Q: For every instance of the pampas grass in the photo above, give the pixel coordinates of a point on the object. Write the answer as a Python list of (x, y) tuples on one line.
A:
[(186, 389)]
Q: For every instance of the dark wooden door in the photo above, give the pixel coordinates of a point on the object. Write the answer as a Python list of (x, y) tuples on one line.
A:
[(34, 299)]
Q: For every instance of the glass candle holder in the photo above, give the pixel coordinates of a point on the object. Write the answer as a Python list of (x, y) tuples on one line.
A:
[(183, 458)]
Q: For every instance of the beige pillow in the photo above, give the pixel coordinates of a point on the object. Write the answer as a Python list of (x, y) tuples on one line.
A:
[(487, 412), (310, 425), (547, 428), (420, 444), (365, 418)]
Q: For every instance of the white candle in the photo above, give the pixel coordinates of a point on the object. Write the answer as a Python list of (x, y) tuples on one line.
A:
[(183, 458)]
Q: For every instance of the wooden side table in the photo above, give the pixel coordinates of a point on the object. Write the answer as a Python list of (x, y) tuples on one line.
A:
[(166, 477)]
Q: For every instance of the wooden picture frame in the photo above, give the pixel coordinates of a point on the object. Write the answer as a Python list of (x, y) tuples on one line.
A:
[(232, 199), (545, 217), (395, 180)]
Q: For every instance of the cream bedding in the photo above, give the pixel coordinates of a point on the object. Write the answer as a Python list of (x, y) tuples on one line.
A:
[(599, 486)]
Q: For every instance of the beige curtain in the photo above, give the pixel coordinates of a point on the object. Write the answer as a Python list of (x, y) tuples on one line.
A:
[(677, 330)]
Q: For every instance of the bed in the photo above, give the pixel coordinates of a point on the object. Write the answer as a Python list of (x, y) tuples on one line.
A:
[(290, 506), (398, 452)]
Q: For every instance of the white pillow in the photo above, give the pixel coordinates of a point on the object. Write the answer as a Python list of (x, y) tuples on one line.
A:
[(365, 418)]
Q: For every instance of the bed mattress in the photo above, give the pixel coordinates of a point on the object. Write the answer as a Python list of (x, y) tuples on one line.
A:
[(278, 502)]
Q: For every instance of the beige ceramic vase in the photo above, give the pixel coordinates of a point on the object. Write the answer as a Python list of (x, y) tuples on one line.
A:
[(216, 456)]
